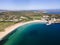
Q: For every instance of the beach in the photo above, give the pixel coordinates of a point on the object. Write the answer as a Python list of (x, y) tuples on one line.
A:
[(13, 27)]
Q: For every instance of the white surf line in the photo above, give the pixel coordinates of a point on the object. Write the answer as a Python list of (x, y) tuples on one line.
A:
[(49, 22), (12, 28)]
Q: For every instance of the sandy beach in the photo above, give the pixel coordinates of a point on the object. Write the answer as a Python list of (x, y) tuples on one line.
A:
[(13, 27)]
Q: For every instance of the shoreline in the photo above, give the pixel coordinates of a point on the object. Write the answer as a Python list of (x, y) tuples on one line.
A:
[(13, 27)]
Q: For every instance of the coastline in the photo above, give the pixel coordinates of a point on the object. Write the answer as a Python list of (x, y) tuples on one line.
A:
[(13, 27)]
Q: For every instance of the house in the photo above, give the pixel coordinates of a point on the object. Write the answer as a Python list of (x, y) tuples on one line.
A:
[(45, 17)]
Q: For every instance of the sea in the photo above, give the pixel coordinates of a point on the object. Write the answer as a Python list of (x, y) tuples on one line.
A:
[(50, 12), (35, 34)]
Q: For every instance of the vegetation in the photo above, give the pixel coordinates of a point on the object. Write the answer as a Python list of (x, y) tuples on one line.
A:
[(3, 25), (11, 17)]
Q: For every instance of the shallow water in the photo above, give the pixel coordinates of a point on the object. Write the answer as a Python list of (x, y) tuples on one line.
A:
[(35, 34)]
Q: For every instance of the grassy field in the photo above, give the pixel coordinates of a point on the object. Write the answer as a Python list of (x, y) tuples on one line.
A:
[(3, 25)]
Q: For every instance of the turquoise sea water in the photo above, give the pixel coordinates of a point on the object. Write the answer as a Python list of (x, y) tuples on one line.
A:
[(35, 34)]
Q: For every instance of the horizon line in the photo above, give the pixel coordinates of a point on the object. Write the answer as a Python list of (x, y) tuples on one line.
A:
[(27, 9)]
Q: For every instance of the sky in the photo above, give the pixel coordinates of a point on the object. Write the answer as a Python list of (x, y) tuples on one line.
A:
[(29, 4)]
